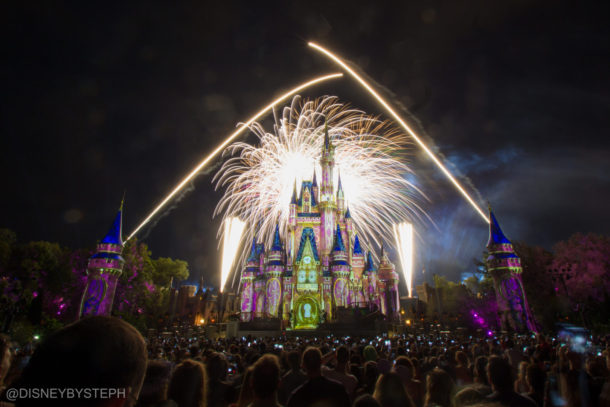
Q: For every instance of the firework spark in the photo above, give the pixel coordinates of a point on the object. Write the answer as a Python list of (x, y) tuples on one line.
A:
[(403, 235), (403, 124), (226, 142), (369, 156), (233, 228)]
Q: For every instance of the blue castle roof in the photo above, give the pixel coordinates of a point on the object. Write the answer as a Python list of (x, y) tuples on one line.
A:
[(308, 235), (253, 255), (114, 235), (370, 264), (357, 248), (315, 180), (348, 215), (339, 246), (293, 200), (277, 243), (496, 236)]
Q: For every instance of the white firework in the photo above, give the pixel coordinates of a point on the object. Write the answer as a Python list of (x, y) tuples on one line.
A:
[(370, 157)]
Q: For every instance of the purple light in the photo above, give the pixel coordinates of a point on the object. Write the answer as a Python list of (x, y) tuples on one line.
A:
[(489, 333), (35, 294)]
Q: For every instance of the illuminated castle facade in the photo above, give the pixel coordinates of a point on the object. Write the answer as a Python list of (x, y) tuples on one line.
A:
[(317, 264), (505, 269)]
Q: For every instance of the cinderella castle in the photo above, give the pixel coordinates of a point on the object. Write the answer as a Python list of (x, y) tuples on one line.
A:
[(316, 266)]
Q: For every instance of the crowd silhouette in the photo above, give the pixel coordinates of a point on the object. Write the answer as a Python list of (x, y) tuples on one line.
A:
[(174, 370)]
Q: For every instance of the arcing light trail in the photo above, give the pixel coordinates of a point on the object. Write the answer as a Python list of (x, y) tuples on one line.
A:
[(218, 149), (233, 228), (430, 154), (403, 234)]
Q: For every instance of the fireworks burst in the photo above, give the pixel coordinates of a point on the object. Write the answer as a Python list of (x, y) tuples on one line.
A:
[(369, 156)]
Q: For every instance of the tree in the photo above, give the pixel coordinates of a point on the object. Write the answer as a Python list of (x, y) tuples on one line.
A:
[(165, 270), (538, 284), (586, 259), (7, 243), (582, 264)]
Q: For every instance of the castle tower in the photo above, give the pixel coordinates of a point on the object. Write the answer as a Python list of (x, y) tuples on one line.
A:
[(327, 197), (275, 269), (370, 283), (103, 271), (388, 286), (357, 297), (247, 284), (259, 283), (340, 270), (505, 269)]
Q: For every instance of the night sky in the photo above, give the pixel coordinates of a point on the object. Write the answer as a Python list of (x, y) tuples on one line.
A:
[(102, 98)]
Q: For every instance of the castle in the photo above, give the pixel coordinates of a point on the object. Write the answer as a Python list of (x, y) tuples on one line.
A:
[(317, 264)]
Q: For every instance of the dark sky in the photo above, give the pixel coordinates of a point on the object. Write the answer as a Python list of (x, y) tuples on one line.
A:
[(101, 98)]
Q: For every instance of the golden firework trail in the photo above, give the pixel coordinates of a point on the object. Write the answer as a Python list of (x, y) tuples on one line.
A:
[(403, 235), (233, 229), (402, 123), (259, 180), (226, 142)]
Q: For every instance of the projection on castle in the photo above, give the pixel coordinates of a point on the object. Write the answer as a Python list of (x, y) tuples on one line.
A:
[(316, 264)]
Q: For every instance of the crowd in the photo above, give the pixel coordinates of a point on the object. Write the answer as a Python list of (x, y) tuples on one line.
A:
[(440, 369)]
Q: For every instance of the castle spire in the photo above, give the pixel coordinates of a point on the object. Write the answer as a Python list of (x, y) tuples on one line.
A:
[(340, 186), (339, 246), (294, 193), (277, 243), (496, 236), (252, 257), (357, 247), (314, 183), (370, 264), (348, 215), (115, 233)]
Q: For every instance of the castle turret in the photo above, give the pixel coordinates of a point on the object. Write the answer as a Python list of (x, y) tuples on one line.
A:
[(340, 270), (505, 269), (370, 282), (103, 271), (247, 283), (388, 286), (258, 309), (356, 275), (273, 273), (357, 255)]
